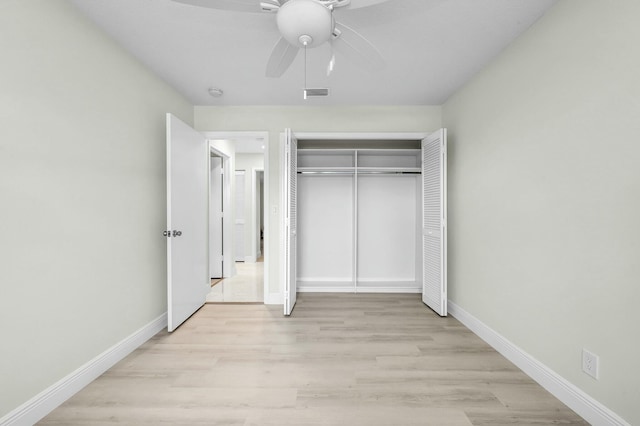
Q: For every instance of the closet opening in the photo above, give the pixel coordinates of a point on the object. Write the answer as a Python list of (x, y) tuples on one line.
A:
[(358, 216), (366, 214)]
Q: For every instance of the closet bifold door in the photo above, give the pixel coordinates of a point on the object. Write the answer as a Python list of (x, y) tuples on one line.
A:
[(291, 177), (434, 215)]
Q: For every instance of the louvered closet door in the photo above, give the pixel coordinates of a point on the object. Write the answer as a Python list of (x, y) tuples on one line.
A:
[(291, 176), (434, 231)]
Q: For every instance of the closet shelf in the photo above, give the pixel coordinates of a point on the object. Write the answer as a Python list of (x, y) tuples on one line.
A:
[(327, 170), (389, 170)]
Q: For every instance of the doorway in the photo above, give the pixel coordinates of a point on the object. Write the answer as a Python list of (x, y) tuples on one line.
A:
[(216, 217), (245, 236)]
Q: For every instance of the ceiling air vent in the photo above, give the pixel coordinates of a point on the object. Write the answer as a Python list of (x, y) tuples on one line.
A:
[(308, 93)]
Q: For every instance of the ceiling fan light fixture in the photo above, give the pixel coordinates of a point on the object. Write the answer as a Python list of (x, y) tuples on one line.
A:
[(305, 40), (300, 20)]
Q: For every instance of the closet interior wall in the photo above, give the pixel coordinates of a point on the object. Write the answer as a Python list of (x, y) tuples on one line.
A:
[(359, 216)]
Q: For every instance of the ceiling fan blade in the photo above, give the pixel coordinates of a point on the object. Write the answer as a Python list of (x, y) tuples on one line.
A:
[(251, 6), (357, 48), (281, 58), (357, 4)]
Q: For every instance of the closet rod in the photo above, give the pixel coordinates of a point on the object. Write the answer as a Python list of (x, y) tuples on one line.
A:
[(326, 173), (381, 172), (389, 172)]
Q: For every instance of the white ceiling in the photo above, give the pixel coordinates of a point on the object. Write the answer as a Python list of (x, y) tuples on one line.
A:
[(431, 48)]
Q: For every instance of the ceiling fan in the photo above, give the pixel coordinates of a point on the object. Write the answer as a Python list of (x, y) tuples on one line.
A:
[(305, 24)]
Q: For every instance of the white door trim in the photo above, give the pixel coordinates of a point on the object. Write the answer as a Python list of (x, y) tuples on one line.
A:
[(417, 136)]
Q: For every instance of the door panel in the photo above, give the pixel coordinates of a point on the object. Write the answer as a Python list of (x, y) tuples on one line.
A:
[(434, 231), (291, 178), (215, 216), (240, 216), (187, 221)]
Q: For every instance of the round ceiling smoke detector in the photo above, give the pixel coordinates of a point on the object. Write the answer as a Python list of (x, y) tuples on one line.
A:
[(215, 92), (301, 21)]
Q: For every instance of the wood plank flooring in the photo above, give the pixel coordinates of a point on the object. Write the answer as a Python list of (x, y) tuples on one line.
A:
[(340, 359)]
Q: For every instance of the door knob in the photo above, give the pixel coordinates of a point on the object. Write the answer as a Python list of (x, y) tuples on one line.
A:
[(167, 233), (177, 233)]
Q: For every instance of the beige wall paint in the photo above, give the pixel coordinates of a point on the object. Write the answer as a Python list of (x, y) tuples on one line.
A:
[(544, 195), (275, 119), (82, 193)]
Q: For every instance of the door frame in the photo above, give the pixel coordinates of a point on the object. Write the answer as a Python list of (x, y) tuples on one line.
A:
[(239, 218), (390, 136), (264, 136), (255, 210), (226, 189)]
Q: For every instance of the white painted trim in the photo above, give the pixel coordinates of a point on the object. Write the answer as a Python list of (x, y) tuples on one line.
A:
[(329, 289), (346, 280), (324, 289), (266, 237), (273, 299), (576, 399), (418, 136), (46, 401), (255, 213), (250, 259), (360, 135), (282, 217), (413, 290)]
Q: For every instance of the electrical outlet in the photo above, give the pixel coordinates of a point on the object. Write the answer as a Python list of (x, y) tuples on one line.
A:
[(590, 363)]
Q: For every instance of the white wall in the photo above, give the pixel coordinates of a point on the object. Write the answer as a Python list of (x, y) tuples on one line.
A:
[(544, 195), (82, 193), (249, 163), (275, 119)]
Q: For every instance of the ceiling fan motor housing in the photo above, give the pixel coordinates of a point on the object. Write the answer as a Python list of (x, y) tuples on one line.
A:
[(305, 21)]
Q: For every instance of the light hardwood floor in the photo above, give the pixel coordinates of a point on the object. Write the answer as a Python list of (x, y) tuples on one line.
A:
[(340, 359)]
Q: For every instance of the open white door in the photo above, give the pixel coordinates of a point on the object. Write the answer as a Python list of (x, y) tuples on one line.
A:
[(290, 235), (187, 217), (434, 221)]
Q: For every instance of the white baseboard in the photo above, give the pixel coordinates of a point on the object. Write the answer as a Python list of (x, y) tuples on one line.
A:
[(324, 289), (363, 290), (308, 285), (576, 399), (46, 401)]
